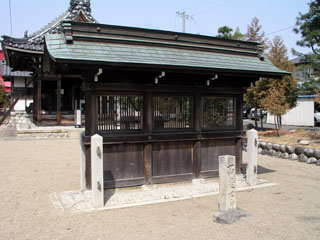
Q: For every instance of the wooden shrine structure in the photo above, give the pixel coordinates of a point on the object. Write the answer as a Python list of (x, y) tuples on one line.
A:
[(167, 104)]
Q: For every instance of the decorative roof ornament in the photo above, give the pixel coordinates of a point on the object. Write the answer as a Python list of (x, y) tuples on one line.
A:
[(77, 4), (79, 10)]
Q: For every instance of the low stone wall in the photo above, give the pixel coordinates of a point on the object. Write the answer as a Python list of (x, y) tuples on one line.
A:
[(301, 154), (20, 119), (48, 133)]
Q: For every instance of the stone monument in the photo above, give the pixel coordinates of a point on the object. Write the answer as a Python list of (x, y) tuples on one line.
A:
[(228, 211)]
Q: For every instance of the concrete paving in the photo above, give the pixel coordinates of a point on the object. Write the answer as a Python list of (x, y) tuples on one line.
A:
[(271, 126), (8, 134)]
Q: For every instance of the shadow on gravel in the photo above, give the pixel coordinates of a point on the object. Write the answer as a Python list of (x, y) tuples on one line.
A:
[(262, 170)]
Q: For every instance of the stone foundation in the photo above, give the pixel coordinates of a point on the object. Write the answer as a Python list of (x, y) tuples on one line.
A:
[(48, 133), (20, 120)]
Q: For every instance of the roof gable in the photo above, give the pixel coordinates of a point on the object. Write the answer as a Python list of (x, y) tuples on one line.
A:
[(124, 46), (79, 10)]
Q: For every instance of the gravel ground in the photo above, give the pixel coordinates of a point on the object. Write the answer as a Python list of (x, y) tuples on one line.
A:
[(31, 170)]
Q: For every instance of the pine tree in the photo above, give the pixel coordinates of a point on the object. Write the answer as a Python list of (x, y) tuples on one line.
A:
[(278, 95), (225, 32), (255, 33), (309, 26), (237, 35), (252, 96)]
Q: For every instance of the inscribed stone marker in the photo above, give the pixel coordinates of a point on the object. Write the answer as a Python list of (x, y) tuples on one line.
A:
[(227, 183)]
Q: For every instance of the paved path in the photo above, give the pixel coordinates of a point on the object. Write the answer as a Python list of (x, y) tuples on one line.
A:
[(7, 134), (286, 127)]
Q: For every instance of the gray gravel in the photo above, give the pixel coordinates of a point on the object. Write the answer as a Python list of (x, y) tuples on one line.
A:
[(31, 170)]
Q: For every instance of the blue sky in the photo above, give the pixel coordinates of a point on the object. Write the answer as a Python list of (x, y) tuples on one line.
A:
[(208, 15)]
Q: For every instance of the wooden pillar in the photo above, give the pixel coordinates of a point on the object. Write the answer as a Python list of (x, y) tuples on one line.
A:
[(35, 87), (59, 100), (87, 113), (239, 114), (239, 125), (91, 105), (39, 84), (197, 126), (147, 128)]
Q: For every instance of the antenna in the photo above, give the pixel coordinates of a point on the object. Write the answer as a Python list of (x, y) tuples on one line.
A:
[(184, 16), (10, 17)]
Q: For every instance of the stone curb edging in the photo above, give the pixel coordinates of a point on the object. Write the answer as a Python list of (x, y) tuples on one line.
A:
[(47, 133), (308, 155)]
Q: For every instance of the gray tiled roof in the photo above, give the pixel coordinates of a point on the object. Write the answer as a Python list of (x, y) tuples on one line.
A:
[(6, 72), (109, 53), (35, 41)]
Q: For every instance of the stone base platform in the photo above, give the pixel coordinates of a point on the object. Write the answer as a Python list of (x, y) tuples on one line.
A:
[(80, 201), (49, 132), (230, 216)]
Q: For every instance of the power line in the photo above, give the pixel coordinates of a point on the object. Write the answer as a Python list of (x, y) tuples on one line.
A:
[(199, 5), (280, 30), (208, 10), (10, 17), (175, 21), (201, 28)]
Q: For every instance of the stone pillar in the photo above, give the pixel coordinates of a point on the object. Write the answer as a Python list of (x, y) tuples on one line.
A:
[(227, 183), (252, 149), (97, 171), (82, 164)]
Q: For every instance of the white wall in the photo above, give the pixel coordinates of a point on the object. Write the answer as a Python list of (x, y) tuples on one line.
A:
[(20, 82), (301, 115), (20, 105)]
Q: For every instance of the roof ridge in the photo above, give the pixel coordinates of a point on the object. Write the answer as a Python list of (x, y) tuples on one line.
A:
[(49, 25), (77, 7)]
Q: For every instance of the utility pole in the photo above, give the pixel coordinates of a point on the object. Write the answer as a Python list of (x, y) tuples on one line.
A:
[(184, 16), (10, 16)]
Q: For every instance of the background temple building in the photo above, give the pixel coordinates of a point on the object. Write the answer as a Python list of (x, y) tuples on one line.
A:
[(23, 55)]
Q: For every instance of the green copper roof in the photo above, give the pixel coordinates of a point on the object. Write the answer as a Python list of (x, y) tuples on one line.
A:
[(113, 53)]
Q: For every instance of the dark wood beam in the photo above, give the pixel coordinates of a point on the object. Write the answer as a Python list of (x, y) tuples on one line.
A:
[(59, 100), (39, 84)]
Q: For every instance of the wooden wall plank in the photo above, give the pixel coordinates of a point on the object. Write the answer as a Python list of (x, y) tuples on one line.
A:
[(123, 162), (211, 150), (147, 163), (169, 158)]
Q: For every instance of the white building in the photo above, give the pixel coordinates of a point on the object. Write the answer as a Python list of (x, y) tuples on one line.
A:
[(301, 115), (18, 81)]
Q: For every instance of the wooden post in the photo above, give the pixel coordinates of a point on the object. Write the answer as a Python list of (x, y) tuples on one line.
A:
[(82, 164), (239, 125), (59, 100), (39, 98), (227, 183), (252, 165), (97, 171), (147, 128), (197, 126)]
